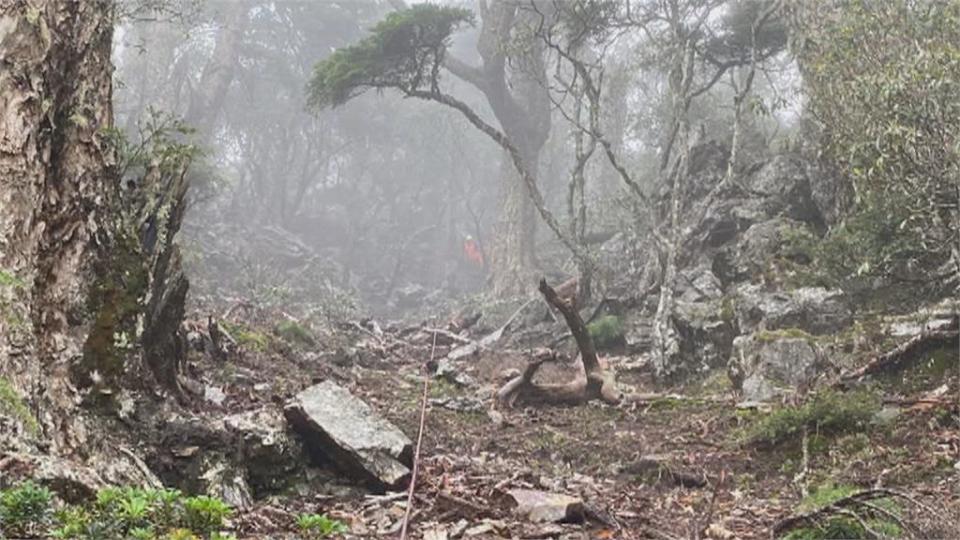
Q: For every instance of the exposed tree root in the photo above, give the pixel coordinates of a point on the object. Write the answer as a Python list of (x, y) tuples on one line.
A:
[(594, 383)]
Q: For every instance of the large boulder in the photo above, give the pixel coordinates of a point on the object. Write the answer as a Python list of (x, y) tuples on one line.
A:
[(815, 310), (337, 425), (766, 365)]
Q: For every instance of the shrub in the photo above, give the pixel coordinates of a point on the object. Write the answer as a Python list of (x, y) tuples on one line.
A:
[(25, 509), (319, 525), (606, 332), (294, 332)]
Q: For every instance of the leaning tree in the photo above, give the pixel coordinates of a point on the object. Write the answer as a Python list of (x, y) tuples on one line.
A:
[(407, 52)]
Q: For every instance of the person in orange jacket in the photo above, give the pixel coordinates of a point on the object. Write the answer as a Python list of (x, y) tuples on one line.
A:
[(471, 250)]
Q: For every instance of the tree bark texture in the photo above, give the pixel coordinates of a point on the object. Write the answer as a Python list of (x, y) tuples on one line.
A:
[(56, 178)]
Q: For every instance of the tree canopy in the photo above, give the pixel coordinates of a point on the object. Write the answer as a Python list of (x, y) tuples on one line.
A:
[(404, 51)]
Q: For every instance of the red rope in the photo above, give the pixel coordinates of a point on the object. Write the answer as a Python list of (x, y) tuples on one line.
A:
[(416, 454)]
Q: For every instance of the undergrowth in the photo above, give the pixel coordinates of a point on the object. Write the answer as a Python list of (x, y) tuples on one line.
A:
[(28, 510), (844, 525), (828, 412)]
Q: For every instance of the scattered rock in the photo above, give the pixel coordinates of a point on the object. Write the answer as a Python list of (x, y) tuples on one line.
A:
[(214, 395), (544, 507), (227, 482), (71, 482), (453, 374), (763, 366), (704, 323), (459, 404), (752, 254), (346, 430)]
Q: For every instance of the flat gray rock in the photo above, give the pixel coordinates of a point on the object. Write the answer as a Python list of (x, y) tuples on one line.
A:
[(347, 431), (544, 507)]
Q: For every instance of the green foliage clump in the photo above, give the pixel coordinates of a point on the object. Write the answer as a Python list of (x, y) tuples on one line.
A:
[(10, 286), (843, 526), (827, 412), (319, 526), (12, 404), (294, 332), (25, 510), (246, 337), (132, 513), (8, 279), (205, 514), (884, 85), (606, 332), (404, 52)]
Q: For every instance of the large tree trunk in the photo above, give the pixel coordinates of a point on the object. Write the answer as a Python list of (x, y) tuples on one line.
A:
[(88, 276), (56, 180), (513, 254), (208, 98), (517, 95)]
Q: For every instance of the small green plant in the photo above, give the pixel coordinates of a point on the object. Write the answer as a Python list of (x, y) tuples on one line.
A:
[(141, 533), (73, 521), (25, 510), (294, 332), (827, 412), (319, 525), (205, 514), (12, 404), (180, 534), (606, 332), (845, 525)]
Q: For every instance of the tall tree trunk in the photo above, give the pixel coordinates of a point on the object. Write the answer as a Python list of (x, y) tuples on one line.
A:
[(513, 252), (94, 275), (208, 98), (518, 97), (56, 180)]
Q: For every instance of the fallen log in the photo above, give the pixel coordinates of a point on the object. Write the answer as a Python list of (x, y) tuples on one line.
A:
[(904, 353), (593, 383)]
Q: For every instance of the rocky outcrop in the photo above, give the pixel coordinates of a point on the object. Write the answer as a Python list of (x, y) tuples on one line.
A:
[(268, 451), (703, 321), (815, 310), (341, 428), (783, 186)]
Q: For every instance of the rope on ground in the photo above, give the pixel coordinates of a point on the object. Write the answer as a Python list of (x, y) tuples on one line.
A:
[(416, 453)]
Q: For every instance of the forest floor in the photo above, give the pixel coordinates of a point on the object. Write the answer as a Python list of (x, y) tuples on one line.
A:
[(675, 466)]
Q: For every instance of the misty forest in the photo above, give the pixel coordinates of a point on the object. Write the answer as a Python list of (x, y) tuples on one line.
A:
[(479, 269)]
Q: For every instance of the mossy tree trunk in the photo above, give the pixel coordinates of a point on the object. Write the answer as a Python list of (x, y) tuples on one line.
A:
[(86, 265), (56, 178)]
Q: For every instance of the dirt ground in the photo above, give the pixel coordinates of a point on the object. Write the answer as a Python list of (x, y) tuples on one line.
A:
[(672, 467)]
